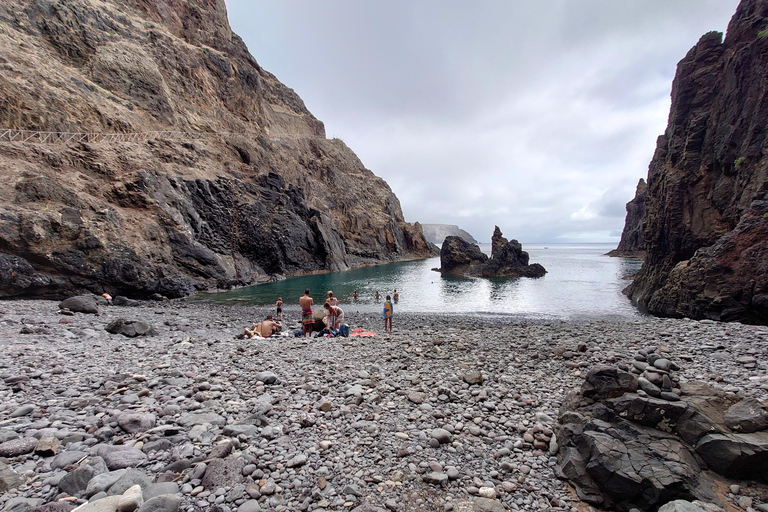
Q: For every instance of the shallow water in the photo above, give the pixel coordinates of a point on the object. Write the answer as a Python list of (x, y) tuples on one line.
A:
[(581, 284)]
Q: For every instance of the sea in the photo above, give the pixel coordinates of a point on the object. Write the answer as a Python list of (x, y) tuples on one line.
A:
[(581, 284)]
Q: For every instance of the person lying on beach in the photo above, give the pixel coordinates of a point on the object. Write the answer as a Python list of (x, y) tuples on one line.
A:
[(335, 315)]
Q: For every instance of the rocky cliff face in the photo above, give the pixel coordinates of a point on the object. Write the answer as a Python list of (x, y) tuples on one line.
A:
[(632, 242), (706, 228), (508, 259), (248, 189)]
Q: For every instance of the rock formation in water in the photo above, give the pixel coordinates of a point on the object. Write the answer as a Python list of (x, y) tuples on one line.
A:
[(508, 259), (436, 233), (246, 189), (632, 243), (706, 230)]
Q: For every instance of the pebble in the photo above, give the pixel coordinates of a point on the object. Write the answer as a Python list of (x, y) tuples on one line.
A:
[(306, 424)]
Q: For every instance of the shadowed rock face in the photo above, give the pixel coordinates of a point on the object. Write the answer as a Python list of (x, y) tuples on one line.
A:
[(632, 242), (508, 259), (258, 194), (706, 229)]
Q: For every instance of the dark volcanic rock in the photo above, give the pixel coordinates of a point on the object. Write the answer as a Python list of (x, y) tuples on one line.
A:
[(507, 258), (247, 190), (706, 230), (623, 449), (130, 328), (632, 243), (81, 304)]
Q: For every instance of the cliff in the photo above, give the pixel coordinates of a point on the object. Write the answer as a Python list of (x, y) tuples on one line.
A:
[(706, 230), (436, 233), (244, 187), (632, 243)]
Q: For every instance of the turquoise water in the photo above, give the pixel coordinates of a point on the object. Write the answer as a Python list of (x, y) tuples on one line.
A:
[(581, 283)]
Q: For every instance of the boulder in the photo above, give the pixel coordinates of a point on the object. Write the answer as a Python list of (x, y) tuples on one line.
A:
[(82, 304), (130, 328)]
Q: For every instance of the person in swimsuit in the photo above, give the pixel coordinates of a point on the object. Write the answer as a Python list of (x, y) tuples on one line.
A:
[(331, 299), (395, 296), (335, 315), (307, 320), (279, 306), (387, 314), (355, 295), (376, 296)]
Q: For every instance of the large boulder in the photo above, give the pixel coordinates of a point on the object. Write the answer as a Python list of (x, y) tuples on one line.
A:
[(83, 304)]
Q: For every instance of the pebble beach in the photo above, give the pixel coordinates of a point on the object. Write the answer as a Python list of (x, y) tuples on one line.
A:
[(447, 413)]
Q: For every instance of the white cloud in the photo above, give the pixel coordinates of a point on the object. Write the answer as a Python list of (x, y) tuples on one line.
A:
[(538, 117)]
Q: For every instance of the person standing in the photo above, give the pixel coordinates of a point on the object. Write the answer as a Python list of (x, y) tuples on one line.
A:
[(333, 301), (307, 320), (387, 313), (279, 306), (395, 296), (376, 296)]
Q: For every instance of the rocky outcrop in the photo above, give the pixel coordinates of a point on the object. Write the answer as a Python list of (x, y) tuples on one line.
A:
[(706, 230), (247, 188), (632, 243), (627, 443), (459, 257), (436, 233)]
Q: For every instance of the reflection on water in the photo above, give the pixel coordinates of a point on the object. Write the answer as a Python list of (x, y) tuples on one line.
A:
[(580, 283)]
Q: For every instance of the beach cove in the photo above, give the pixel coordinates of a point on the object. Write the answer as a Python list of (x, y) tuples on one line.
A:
[(427, 418)]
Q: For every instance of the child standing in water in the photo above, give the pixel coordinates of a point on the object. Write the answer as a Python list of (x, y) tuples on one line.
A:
[(387, 313)]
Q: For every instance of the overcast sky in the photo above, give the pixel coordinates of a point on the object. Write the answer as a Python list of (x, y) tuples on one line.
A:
[(536, 116)]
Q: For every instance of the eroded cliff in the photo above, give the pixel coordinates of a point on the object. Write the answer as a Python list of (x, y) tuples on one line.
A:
[(632, 243), (246, 188), (706, 230)]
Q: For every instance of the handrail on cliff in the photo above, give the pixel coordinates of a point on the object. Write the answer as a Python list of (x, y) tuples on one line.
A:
[(40, 137)]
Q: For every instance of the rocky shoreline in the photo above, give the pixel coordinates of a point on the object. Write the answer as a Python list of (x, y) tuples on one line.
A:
[(447, 413)]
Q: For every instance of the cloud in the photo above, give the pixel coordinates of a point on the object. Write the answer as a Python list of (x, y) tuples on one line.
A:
[(538, 117)]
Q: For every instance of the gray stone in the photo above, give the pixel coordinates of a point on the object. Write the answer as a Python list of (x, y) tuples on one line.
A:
[(266, 377), (442, 435), (24, 410), (223, 473), (16, 447), (76, 481), (9, 479), (160, 489), (747, 416), (135, 422), (649, 387), (189, 419), (125, 458), (102, 482), (249, 506), (130, 478), (130, 500), (64, 459), (473, 377), (20, 504), (247, 430), (107, 504), (487, 505), (436, 478), (680, 506), (80, 304)]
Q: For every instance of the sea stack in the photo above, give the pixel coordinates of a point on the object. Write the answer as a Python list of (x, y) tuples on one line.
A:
[(459, 257), (706, 223)]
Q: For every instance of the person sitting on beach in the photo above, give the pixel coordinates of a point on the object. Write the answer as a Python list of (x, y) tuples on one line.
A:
[(335, 315), (265, 328), (331, 299), (387, 314), (279, 306), (307, 320), (395, 296)]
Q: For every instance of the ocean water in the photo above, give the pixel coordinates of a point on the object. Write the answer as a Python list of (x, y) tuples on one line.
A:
[(581, 284)]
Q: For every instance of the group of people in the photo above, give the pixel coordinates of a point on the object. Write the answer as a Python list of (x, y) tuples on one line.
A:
[(333, 319)]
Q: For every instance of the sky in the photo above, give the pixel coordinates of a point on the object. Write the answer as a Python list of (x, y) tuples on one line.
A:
[(539, 116)]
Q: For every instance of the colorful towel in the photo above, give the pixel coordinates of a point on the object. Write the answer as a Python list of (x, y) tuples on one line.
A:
[(306, 317)]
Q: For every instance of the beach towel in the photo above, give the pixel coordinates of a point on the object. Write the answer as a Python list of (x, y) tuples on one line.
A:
[(387, 313)]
